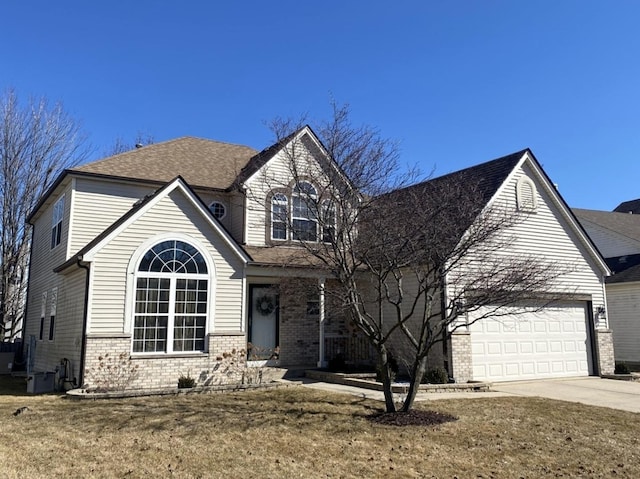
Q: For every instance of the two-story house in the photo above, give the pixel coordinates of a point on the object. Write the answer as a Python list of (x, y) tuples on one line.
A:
[(174, 255)]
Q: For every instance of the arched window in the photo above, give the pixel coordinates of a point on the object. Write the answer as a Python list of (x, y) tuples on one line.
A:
[(304, 212), (279, 211), (171, 298)]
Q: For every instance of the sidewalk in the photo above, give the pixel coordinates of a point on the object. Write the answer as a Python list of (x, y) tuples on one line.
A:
[(379, 395)]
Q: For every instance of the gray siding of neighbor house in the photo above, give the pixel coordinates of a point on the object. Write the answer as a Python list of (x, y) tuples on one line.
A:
[(623, 309)]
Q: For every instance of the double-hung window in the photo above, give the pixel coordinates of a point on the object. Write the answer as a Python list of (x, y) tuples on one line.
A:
[(304, 212), (328, 221), (171, 299), (279, 214), (56, 222), (52, 312)]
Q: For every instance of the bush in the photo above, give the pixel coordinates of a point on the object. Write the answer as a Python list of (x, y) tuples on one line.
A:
[(436, 376), (113, 373), (186, 381), (622, 368)]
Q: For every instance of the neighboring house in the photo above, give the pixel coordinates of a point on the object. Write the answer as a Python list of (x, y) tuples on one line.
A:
[(632, 206), (617, 236), (172, 255)]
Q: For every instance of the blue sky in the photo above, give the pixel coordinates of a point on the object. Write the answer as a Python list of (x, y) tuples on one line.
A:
[(455, 83)]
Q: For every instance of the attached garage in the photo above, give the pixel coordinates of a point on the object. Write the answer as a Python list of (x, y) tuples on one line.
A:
[(545, 342)]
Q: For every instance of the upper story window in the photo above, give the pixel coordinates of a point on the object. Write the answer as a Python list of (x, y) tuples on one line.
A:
[(526, 195), (304, 212), (279, 210), (171, 298), (328, 210), (56, 222), (218, 210)]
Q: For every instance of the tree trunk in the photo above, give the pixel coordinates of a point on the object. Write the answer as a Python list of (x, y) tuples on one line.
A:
[(385, 377), (418, 372)]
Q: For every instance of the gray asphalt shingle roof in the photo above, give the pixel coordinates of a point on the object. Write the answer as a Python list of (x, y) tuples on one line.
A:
[(622, 223), (632, 206)]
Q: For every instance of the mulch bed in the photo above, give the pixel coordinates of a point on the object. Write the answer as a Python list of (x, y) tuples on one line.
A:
[(414, 417)]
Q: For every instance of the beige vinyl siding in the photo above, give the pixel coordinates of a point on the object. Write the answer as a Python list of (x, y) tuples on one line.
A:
[(610, 243), (97, 204), (546, 234), (174, 213), (399, 342), (44, 259), (236, 212), (623, 309), (227, 200), (67, 340), (276, 174)]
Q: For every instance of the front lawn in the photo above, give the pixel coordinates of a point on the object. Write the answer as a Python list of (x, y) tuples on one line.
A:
[(298, 432)]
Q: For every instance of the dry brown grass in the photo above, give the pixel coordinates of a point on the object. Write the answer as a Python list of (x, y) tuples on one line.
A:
[(297, 432)]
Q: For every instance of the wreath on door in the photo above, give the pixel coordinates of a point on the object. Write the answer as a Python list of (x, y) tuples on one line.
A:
[(265, 305)]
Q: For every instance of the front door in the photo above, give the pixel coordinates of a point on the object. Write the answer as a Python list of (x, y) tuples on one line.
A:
[(263, 322)]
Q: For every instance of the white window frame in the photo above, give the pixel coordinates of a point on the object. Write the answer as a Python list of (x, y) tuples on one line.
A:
[(43, 312), (218, 204), (329, 220), (171, 314), (280, 202), (52, 312), (56, 222), (307, 200)]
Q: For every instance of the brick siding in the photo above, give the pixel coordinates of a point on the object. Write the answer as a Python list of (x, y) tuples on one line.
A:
[(108, 359), (604, 340)]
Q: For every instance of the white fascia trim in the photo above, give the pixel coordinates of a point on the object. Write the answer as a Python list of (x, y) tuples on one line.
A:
[(72, 198), (569, 217), (305, 131), (89, 305), (177, 184)]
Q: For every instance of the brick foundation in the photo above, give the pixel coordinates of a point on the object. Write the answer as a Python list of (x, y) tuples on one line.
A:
[(109, 363)]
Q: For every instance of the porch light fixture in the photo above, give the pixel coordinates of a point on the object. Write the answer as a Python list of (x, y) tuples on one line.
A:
[(600, 312)]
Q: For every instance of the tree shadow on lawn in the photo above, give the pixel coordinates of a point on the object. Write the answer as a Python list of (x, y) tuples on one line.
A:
[(243, 412)]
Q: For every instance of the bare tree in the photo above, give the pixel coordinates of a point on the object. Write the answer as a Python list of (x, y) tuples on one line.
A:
[(37, 142), (413, 263), (121, 145)]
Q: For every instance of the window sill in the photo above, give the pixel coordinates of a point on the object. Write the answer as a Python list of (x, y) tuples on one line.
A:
[(194, 354)]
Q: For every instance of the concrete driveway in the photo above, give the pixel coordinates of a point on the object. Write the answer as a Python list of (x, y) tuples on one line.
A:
[(624, 395)]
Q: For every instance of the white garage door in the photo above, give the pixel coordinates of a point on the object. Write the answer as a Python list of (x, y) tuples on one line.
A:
[(549, 343)]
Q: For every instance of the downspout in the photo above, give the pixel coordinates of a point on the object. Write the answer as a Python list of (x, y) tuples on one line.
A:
[(83, 347), (321, 318)]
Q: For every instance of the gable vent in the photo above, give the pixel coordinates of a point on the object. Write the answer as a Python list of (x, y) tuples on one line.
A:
[(526, 195)]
